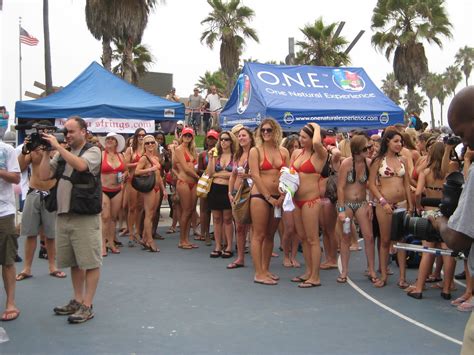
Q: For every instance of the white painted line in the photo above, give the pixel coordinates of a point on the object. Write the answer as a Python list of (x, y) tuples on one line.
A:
[(398, 314)]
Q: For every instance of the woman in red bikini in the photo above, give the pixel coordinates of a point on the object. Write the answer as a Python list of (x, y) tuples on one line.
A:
[(132, 156), (220, 167), (308, 162), (389, 168), (240, 172), (205, 216), (185, 164), (266, 159), (112, 170), (352, 203), (148, 164)]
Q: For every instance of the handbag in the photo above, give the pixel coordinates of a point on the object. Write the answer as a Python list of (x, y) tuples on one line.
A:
[(203, 186), (144, 183), (241, 203)]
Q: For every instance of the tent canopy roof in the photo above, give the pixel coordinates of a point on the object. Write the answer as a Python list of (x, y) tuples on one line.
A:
[(98, 93)]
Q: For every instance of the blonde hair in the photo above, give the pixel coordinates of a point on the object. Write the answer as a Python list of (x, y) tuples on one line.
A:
[(191, 145), (276, 134), (345, 148)]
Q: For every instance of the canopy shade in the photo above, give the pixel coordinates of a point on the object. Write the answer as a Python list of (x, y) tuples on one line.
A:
[(98, 93), (337, 98)]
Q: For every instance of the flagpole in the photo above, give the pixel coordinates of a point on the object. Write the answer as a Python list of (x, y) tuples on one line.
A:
[(19, 46)]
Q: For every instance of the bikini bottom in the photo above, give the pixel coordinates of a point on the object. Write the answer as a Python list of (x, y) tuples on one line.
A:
[(355, 205), (110, 193), (311, 203), (190, 184), (264, 199)]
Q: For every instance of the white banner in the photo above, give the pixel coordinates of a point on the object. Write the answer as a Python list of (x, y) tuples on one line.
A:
[(117, 125)]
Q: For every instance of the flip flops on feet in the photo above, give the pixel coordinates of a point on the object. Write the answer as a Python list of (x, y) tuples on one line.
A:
[(267, 282), (23, 276), (59, 274), (10, 315), (308, 284), (298, 279), (328, 266), (234, 266), (341, 279)]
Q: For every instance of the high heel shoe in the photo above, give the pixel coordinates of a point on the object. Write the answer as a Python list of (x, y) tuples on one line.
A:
[(415, 295)]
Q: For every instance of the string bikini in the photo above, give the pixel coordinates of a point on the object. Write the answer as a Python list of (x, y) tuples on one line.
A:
[(106, 168), (386, 171), (306, 167), (351, 179), (191, 185)]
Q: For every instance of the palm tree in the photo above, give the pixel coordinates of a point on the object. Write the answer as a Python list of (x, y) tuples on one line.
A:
[(452, 77), (322, 46), (100, 24), (465, 59), (47, 50), (401, 27), (142, 59), (125, 20), (416, 103), (391, 88), (227, 23), (441, 95), (430, 85), (209, 79)]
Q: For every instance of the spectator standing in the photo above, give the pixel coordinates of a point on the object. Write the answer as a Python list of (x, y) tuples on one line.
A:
[(3, 120), (215, 106), (78, 231), (9, 175), (172, 95), (194, 105)]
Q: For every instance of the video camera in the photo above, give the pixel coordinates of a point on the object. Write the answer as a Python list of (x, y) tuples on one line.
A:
[(404, 225), (36, 139)]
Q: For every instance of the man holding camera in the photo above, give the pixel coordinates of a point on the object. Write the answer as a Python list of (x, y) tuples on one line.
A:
[(35, 215), (78, 232), (458, 231)]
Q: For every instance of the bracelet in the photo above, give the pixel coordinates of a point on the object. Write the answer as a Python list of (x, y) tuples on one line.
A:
[(382, 201), (341, 209)]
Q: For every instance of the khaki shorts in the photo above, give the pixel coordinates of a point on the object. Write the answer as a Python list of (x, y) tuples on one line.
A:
[(78, 241), (8, 240), (36, 215), (468, 341)]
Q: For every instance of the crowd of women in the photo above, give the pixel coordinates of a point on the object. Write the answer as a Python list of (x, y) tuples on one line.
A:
[(349, 186)]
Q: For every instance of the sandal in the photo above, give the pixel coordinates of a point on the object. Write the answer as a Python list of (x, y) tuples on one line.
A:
[(185, 246), (171, 230), (380, 283), (10, 315), (372, 279), (341, 279), (227, 254), (403, 284), (215, 254)]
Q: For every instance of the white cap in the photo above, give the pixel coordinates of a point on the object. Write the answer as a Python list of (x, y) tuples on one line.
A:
[(180, 122)]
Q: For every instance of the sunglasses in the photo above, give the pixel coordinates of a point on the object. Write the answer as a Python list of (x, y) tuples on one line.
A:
[(187, 135), (141, 135), (148, 143), (365, 149), (225, 139), (266, 130)]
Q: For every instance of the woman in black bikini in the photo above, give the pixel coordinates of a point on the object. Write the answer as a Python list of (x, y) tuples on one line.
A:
[(185, 165), (266, 159), (352, 202), (240, 172), (112, 170), (149, 164), (394, 191), (135, 203), (308, 162), (220, 167)]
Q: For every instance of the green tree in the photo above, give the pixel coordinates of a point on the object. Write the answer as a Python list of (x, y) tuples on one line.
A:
[(441, 95), (321, 46), (401, 28), (228, 23), (415, 103), (209, 79), (100, 25), (430, 84), (141, 61), (124, 20), (452, 78), (464, 59), (391, 88)]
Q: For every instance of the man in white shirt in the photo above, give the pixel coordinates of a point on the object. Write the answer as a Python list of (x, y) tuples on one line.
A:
[(215, 106), (9, 175)]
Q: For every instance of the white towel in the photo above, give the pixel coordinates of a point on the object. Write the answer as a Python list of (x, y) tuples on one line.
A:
[(289, 183)]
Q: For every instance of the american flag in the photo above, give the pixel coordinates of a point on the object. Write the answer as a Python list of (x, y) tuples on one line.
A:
[(27, 39)]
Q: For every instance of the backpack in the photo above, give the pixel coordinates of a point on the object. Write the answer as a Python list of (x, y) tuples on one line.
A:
[(86, 192)]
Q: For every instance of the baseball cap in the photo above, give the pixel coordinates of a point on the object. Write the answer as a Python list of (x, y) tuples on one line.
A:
[(187, 130), (180, 122), (212, 133)]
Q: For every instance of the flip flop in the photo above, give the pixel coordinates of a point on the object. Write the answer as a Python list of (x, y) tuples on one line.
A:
[(266, 282), (59, 274), (15, 312), (185, 246), (327, 267), (341, 279), (307, 284), (403, 284), (23, 276), (235, 266), (298, 279)]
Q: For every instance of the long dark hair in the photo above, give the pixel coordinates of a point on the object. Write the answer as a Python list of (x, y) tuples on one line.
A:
[(386, 137), (135, 138), (435, 158), (358, 143), (240, 150), (232, 144)]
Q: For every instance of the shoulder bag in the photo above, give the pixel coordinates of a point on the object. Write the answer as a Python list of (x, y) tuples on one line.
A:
[(144, 183)]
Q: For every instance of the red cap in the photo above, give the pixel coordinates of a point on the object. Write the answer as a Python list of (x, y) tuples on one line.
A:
[(212, 134), (187, 130), (330, 140)]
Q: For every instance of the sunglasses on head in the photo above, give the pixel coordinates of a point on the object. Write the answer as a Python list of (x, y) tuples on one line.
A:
[(224, 139), (148, 143), (266, 130)]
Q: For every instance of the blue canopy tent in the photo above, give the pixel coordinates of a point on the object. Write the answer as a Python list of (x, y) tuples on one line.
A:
[(97, 93), (336, 98)]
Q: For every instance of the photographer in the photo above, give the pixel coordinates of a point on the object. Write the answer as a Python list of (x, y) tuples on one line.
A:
[(458, 232), (78, 232)]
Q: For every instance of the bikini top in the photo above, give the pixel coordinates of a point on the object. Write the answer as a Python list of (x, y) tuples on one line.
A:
[(229, 167), (306, 167), (188, 158), (136, 158), (351, 175), (385, 171), (106, 168), (266, 165)]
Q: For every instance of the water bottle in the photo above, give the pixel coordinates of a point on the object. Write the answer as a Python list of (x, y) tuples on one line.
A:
[(346, 227), (3, 336), (119, 177)]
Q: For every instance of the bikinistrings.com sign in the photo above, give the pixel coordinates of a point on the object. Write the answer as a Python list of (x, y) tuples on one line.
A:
[(117, 125)]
